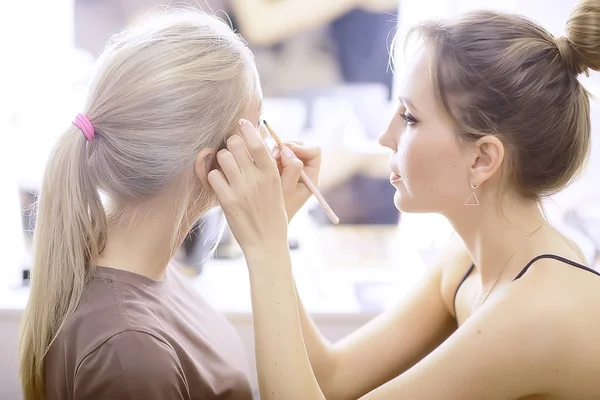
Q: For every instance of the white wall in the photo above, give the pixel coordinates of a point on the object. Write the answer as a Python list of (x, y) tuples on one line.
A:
[(12, 247), (412, 12), (37, 40)]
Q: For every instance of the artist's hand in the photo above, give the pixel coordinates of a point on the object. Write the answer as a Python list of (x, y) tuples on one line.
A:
[(250, 192), (292, 160)]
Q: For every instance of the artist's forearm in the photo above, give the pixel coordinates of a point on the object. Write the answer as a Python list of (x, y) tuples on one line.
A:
[(264, 22), (320, 352), (284, 369)]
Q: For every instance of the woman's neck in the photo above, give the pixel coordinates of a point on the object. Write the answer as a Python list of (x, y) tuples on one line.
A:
[(495, 239), (142, 245)]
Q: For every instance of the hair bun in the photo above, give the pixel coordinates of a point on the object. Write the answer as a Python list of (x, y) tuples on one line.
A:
[(581, 47), (569, 56)]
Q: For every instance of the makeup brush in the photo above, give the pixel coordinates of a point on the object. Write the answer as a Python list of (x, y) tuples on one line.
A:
[(306, 180)]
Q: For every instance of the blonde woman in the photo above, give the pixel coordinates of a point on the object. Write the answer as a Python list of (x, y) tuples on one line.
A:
[(492, 119), (106, 318)]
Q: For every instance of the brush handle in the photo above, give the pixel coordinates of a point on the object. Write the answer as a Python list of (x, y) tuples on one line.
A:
[(306, 180), (317, 193)]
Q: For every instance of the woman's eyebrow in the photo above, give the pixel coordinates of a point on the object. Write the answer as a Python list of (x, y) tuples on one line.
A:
[(408, 102)]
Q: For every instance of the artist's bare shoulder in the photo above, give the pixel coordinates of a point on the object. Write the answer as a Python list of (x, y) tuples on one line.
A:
[(562, 294), (454, 262)]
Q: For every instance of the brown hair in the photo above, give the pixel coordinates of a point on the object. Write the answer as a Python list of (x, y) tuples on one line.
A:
[(501, 74)]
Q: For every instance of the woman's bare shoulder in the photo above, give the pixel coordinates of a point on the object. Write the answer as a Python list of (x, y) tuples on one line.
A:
[(453, 262), (565, 297)]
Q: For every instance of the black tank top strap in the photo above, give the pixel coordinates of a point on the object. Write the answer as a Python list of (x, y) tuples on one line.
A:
[(464, 278), (558, 258)]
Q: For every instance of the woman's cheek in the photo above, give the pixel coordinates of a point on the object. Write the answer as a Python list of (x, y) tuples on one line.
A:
[(406, 154)]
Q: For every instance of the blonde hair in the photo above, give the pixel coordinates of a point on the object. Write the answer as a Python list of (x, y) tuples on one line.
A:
[(163, 90), (502, 74)]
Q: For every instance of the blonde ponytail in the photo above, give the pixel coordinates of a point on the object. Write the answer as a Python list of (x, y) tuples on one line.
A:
[(70, 232)]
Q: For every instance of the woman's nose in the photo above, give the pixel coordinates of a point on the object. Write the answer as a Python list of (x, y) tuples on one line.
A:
[(387, 140)]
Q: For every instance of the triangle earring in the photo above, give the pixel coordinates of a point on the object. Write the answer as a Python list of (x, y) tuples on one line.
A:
[(472, 200)]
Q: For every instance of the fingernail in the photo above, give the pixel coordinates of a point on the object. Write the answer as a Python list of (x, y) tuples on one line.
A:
[(242, 121), (287, 152), (275, 152)]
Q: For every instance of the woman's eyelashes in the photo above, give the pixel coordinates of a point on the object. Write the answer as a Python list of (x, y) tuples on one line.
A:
[(408, 118)]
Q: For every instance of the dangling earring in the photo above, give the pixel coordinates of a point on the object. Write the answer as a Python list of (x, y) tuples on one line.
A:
[(472, 200)]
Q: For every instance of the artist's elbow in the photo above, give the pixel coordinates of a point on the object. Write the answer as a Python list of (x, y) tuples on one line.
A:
[(331, 376), (329, 389), (332, 395), (333, 392)]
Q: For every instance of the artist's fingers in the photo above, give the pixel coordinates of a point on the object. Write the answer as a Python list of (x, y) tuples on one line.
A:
[(230, 168), (236, 146), (256, 147), (262, 131), (310, 156), (275, 152), (218, 182), (291, 169)]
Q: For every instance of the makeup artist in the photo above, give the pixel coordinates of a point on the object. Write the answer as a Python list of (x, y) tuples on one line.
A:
[(509, 310)]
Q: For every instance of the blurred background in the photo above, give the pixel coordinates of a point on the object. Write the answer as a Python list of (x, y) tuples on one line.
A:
[(326, 80)]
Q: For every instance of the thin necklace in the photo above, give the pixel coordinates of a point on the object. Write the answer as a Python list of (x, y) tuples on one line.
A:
[(507, 261)]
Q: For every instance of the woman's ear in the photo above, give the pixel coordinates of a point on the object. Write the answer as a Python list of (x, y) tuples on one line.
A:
[(204, 163), (488, 157)]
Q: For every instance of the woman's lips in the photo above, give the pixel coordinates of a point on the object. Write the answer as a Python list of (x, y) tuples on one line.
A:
[(395, 178)]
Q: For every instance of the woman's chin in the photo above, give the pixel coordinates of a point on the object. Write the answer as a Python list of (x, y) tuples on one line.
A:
[(399, 202), (406, 204)]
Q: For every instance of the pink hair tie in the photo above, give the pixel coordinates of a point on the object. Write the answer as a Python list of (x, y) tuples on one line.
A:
[(83, 122)]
